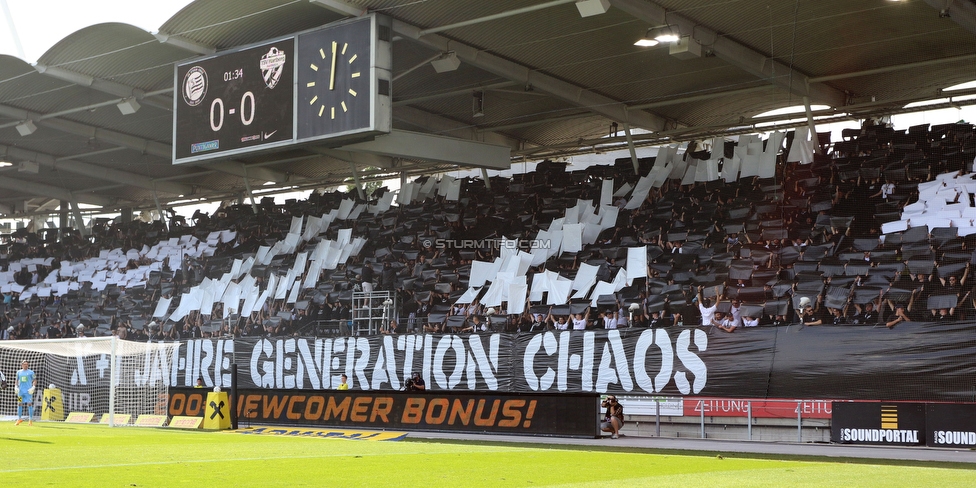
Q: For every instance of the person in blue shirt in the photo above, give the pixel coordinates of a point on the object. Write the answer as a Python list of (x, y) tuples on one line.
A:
[(25, 393)]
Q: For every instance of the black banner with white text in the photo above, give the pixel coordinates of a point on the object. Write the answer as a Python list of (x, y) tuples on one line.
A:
[(878, 423), (915, 362)]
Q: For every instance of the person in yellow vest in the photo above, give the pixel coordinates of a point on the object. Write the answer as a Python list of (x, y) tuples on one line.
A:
[(344, 385), (200, 383)]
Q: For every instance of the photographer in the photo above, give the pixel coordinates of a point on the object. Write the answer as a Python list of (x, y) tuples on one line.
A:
[(416, 383), (613, 420)]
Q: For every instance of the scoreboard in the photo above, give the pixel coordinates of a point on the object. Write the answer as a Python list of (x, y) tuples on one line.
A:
[(328, 86), (241, 101)]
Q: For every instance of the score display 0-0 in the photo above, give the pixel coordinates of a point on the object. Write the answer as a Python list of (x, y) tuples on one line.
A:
[(327, 86), (235, 102)]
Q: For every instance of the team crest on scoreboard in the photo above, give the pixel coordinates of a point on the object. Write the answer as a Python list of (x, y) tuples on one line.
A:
[(194, 86), (272, 64)]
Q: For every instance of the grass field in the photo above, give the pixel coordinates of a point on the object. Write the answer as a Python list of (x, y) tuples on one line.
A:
[(55, 454)]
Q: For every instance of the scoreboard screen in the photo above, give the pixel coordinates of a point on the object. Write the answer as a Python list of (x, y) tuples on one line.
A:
[(235, 102), (325, 86)]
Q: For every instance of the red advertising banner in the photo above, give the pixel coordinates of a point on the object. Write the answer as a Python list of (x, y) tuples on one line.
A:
[(776, 408)]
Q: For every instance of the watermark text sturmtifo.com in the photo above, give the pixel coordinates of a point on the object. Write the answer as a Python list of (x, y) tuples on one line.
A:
[(486, 244)]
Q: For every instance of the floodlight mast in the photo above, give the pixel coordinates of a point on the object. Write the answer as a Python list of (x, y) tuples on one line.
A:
[(13, 30)]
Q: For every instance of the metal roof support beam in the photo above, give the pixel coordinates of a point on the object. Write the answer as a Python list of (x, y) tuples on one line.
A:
[(428, 147), (812, 126), (633, 150), (49, 205), (144, 146), (79, 222), (965, 58), (184, 43), (519, 73), (48, 191), (70, 111), (96, 171), (415, 67), (62, 219), (531, 123), (500, 15), (247, 186), (355, 178), (185, 176), (122, 177), (735, 53), (453, 93), (449, 127), (273, 162), (340, 7), (159, 209), (962, 13), (704, 96), (238, 168), (136, 143), (887, 107), (105, 86), (360, 158), (102, 188), (90, 154), (527, 76)]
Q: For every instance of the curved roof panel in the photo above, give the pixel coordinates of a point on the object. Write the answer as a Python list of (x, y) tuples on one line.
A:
[(19, 81), (87, 49), (224, 24), (585, 71)]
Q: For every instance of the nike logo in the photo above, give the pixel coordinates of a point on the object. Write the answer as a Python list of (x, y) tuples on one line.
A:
[(267, 135)]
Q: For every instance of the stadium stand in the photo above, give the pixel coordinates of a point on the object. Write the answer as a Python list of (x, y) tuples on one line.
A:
[(884, 221)]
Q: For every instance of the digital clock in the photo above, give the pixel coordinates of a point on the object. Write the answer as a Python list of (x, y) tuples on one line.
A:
[(234, 75), (219, 111)]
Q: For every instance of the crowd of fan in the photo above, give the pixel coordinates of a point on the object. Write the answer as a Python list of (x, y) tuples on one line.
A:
[(805, 246)]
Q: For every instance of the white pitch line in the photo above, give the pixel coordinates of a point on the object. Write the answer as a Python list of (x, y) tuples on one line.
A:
[(192, 461)]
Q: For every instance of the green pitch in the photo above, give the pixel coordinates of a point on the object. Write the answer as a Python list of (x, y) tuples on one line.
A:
[(54, 454)]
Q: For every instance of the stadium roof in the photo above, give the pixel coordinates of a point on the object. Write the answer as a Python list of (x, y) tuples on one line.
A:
[(554, 83)]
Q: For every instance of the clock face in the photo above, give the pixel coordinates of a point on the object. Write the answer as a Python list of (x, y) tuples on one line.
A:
[(341, 87), (334, 80)]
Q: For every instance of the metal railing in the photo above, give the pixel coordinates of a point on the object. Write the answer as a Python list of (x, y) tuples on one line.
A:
[(345, 327), (782, 420)]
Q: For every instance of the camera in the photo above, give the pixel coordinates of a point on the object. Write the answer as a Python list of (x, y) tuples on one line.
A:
[(414, 383), (410, 385)]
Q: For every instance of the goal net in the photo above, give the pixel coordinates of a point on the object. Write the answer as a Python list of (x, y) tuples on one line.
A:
[(102, 375)]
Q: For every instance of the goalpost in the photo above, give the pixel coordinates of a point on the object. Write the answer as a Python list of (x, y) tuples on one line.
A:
[(102, 375)]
